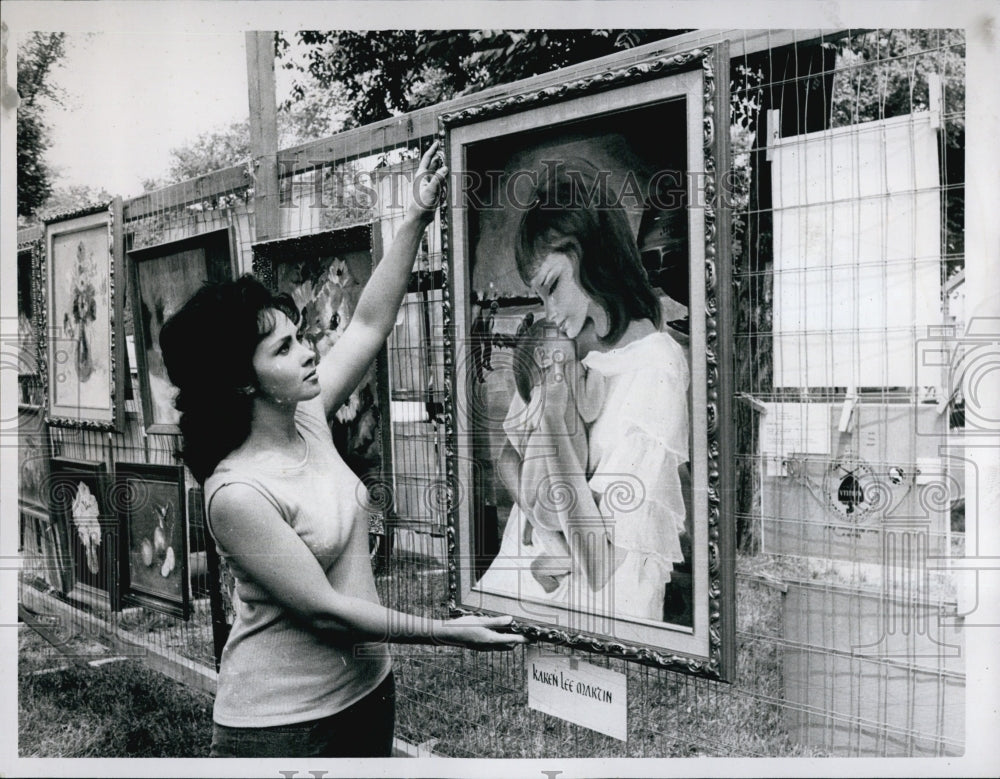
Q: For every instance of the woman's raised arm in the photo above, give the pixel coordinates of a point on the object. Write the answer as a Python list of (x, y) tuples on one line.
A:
[(345, 364)]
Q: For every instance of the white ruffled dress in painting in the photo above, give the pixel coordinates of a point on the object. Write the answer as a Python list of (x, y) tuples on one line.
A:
[(636, 446)]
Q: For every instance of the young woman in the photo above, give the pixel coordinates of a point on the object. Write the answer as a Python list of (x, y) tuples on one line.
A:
[(625, 506), (305, 671)]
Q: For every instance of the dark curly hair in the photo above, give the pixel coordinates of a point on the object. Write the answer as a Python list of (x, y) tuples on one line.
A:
[(573, 207), (208, 347)]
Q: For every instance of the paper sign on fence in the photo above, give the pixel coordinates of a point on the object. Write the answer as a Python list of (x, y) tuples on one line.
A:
[(581, 693), (793, 427)]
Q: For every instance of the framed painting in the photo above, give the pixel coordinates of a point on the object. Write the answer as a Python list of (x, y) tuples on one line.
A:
[(153, 531), (44, 549), (162, 278), (80, 318), (28, 291), (324, 273), (589, 452), (32, 458), (81, 502)]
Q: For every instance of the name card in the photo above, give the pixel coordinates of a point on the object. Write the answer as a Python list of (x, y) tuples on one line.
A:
[(581, 693)]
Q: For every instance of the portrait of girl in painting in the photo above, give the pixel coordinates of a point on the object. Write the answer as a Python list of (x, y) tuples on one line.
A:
[(589, 469)]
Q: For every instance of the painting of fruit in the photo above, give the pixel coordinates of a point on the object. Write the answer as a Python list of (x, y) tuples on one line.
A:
[(153, 523)]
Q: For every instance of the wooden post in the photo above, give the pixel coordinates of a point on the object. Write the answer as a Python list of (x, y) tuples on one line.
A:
[(263, 132)]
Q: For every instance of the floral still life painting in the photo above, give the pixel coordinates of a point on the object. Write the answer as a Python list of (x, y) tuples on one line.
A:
[(80, 505), (81, 300), (79, 318), (325, 290)]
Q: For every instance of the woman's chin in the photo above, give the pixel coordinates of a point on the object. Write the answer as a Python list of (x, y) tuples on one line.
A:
[(574, 330)]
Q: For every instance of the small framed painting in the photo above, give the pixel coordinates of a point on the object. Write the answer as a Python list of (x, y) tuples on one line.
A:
[(151, 507), (44, 549), (162, 278), (32, 458), (80, 342), (28, 291), (81, 502)]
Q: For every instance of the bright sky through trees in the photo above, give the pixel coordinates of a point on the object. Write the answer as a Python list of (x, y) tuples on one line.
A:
[(132, 98)]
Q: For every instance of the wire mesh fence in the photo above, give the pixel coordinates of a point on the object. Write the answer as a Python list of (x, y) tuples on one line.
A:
[(846, 205)]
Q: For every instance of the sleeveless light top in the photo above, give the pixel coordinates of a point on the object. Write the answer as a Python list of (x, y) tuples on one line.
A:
[(274, 669)]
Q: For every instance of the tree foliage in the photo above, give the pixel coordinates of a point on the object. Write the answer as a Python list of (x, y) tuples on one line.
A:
[(887, 73), (388, 72), (347, 78), (37, 58), (317, 113), (73, 197), (210, 151)]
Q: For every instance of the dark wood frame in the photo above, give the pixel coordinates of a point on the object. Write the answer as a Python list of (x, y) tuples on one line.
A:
[(153, 253), (63, 469), (702, 75), (105, 217), (128, 501)]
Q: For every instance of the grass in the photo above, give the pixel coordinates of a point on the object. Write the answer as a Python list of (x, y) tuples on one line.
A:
[(191, 639), (120, 709), (457, 703)]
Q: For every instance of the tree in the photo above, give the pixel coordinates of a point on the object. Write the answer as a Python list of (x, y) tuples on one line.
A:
[(210, 151), (73, 197), (317, 113), (886, 74), (37, 58), (388, 72), (351, 78)]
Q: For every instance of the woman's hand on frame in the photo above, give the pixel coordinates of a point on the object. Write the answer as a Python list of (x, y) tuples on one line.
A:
[(479, 633), (429, 184)]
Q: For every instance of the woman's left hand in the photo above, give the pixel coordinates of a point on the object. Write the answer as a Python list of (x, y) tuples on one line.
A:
[(479, 633), (428, 184)]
